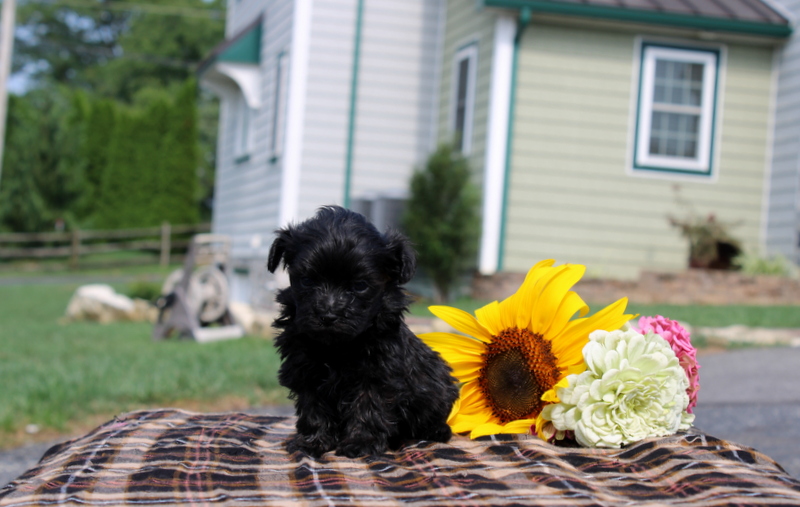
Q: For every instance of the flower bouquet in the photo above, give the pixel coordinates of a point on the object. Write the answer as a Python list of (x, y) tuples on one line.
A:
[(536, 363)]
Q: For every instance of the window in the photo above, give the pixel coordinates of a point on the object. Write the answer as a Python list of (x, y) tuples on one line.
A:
[(676, 110), (464, 69), (279, 105), (243, 136)]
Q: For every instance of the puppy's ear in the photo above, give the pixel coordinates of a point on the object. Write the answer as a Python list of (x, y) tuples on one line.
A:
[(405, 258), (279, 249)]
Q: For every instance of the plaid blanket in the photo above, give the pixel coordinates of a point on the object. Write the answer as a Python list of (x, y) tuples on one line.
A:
[(167, 457)]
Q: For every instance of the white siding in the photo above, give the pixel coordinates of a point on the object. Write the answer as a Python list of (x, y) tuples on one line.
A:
[(782, 213), (247, 196), (396, 93), (327, 104)]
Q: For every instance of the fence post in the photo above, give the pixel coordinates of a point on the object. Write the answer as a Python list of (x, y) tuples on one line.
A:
[(75, 249), (166, 235)]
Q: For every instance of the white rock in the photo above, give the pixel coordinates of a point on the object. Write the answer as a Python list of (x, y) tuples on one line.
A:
[(254, 322), (99, 303)]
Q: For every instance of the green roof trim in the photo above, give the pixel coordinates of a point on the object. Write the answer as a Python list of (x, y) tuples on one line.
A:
[(246, 48), (646, 16)]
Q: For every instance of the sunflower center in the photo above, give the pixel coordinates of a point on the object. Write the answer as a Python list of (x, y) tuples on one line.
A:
[(518, 368)]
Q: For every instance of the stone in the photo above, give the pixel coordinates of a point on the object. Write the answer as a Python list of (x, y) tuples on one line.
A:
[(100, 303), (255, 322)]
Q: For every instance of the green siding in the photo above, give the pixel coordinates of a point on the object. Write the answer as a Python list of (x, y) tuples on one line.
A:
[(571, 197)]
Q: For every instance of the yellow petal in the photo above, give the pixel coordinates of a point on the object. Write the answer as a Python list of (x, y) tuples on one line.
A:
[(453, 343), (455, 410), (462, 321), (610, 318), (529, 297), (568, 348), (460, 422), (466, 371), (489, 316), (472, 399), (553, 295), (550, 396), (518, 426), (571, 304)]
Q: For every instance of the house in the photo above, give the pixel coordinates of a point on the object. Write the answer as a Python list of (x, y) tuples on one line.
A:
[(599, 111), (783, 219), (588, 122), (324, 101)]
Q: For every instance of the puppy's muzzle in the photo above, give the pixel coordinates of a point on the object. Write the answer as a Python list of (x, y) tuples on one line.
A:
[(331, 309), (328, 319)]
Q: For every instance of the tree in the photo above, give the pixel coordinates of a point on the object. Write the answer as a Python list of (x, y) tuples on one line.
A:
[(151, 169), (57, 42), (128, 52), (43, 176), (97, 133), (115, 49), (442, 218)]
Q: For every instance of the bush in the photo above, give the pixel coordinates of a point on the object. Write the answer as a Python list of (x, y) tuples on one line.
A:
[(442, 218), (753, 264), (149, 291)]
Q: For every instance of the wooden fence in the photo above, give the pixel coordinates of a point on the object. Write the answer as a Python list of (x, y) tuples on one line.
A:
[(76, 244)]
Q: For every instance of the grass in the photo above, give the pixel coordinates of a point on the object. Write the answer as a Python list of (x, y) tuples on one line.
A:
[(55, 375), (66, 378)]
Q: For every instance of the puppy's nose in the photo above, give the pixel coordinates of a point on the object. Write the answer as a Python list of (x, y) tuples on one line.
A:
[(328, 318)]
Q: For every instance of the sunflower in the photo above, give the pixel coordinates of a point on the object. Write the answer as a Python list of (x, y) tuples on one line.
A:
[(517, 350)]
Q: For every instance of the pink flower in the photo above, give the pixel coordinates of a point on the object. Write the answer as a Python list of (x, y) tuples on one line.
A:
[(681, 343)]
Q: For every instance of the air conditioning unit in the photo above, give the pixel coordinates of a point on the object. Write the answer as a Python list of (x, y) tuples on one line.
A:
[(383, 210)]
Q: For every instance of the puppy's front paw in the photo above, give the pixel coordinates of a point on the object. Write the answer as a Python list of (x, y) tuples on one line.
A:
[(353, 448), (441, 434), (313, 445)]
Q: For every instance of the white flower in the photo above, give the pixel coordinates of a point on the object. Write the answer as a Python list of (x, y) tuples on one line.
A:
[(633, 388)]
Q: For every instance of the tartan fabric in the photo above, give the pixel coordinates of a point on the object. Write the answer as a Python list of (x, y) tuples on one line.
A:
[(166, 457)]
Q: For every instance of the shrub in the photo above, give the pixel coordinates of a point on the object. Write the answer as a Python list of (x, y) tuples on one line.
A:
[(442, 220), (753, 264)]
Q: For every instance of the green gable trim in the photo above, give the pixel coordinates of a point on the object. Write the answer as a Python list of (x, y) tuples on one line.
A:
[(649, 17), (244, 49)]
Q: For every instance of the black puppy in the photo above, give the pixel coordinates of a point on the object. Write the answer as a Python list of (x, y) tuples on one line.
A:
[(361, 381)]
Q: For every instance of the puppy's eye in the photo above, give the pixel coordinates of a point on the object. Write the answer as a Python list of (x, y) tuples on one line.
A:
[(360, 286), (306, 282)]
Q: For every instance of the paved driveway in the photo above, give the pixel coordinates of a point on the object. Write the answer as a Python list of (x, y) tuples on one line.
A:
[(752, 396)]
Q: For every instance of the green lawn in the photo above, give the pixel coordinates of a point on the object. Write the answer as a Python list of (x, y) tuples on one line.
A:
[(55, 374), (59, 376)]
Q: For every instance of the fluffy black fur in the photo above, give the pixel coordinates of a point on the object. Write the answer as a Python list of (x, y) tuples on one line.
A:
[(361, 381)]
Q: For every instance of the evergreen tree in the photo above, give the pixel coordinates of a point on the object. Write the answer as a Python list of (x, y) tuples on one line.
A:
[(42, 160), (95, 144), (151, 172), (21, 207), (442, 220), (181, 157)]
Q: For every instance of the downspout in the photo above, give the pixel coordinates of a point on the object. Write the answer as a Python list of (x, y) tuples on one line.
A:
[(351, 124), (522, 23)]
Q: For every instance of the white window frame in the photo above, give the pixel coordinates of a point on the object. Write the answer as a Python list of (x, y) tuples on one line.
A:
[(703, 164), (243, 128), (469, 52)]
